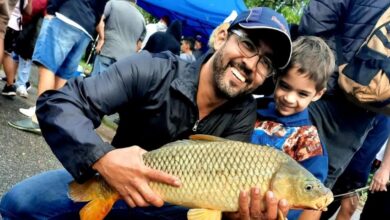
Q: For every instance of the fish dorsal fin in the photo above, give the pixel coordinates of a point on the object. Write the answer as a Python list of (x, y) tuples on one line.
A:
[(205, 137), (204, 214)]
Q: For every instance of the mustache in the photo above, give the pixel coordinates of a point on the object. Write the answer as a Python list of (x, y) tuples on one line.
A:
[(243, 68)]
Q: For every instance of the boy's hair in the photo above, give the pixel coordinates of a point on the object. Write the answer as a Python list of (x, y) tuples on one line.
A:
[(313, 57)]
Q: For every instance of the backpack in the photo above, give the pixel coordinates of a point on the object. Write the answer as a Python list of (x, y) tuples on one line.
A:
[(365, 80)]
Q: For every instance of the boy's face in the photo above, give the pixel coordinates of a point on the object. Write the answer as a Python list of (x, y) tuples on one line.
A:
[(294, 92)]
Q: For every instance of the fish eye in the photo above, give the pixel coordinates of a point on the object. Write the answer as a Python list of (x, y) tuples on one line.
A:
[(308, 187)]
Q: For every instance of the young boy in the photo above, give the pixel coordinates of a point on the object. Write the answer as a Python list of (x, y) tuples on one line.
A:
[(283, 122)]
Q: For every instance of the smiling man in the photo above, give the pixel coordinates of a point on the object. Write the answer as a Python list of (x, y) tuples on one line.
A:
[(159, 98)]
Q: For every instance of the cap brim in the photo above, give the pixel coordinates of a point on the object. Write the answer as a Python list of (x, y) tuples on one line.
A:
[(282, 46)]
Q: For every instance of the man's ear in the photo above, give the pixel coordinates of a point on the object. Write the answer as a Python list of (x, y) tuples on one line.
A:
[(220, 37), (318, 95)]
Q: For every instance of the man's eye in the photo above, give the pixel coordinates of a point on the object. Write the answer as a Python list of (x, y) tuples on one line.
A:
[(248, 45)]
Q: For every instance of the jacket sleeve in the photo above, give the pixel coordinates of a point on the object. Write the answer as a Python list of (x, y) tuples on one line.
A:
[(53, 6), (68, 117)]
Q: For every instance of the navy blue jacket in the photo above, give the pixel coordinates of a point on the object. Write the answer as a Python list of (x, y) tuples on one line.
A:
[(155, 95), (86, 13), (343, 24)]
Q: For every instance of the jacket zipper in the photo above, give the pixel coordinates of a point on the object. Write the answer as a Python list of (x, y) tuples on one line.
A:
[(195, 126)]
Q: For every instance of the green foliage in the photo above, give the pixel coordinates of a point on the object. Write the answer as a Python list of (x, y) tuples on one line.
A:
[(148, 17), (291, 9)]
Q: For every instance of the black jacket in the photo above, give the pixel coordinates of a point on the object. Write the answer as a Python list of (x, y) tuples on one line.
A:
[(155, 95)]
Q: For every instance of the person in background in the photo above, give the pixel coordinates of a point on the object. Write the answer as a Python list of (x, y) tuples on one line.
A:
[(160, 26), (169, 40), (25, 44), (378, 200), (342, 125), (14, 28), (283, 121), (6, 7), (356, 174), (120, 30), (56, 56), (187, 46), (160, 98), (198, 47)]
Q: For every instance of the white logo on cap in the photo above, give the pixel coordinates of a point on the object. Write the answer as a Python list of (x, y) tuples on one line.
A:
[(279, 23)]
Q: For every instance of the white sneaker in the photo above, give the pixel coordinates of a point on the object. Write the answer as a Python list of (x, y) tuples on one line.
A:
[(29, 112), (22, 91)]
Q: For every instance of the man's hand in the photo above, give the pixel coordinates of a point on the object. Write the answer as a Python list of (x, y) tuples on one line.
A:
[(250, 207), (99, 45), (125, 171), (380, 179)]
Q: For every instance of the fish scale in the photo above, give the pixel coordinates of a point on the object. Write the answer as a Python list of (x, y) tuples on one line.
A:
[(213, 174)]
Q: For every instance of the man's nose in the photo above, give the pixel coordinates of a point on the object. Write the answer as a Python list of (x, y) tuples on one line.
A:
[(251, 62)]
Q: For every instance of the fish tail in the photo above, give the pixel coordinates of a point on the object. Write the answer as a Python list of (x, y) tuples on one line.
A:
[(96, 209), (99, 195)]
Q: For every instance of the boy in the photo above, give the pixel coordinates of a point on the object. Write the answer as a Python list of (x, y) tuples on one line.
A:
[(284, 121)]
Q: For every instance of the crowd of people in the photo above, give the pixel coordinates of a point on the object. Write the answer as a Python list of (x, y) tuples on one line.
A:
[(165, 87)]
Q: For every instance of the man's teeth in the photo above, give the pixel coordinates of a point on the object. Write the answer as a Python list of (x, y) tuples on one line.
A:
[(237, 74)]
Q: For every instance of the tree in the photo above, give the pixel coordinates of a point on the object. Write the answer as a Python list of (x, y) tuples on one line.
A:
[(291, 9)]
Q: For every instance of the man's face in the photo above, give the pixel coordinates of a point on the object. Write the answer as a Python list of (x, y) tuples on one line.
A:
[(235, 74), (294, 92)]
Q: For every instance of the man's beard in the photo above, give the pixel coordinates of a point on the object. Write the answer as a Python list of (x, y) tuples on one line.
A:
[(223, 88)]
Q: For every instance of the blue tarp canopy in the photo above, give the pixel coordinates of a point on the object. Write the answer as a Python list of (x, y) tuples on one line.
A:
[(197, 16)]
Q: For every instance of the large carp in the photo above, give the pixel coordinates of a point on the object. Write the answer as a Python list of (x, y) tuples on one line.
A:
[(212, 172)]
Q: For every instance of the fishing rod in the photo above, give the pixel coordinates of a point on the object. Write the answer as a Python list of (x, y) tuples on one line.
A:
[(356, 191)]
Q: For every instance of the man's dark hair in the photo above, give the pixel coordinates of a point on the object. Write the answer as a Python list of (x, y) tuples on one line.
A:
[(190, 41)]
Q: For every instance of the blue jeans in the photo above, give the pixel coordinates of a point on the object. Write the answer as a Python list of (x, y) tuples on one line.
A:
[(44, 196), (24, 68), (101, 63), (59, 47)]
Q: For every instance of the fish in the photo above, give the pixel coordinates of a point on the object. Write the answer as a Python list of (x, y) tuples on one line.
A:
[(212, 172)]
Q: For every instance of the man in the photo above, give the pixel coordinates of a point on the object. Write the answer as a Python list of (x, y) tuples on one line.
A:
[(6, 7), (161, 25), (159, 99), (198, 47), (186, 47), (343, 126), (120, 29), (65, 33)]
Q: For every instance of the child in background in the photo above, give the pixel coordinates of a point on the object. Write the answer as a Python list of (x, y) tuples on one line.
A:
[(283, 122)]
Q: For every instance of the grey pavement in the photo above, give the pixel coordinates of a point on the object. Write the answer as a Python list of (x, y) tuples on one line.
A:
[(24, 154)]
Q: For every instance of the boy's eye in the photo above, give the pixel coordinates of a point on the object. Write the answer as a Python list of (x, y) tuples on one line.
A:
[(283, 86), (304, 95)]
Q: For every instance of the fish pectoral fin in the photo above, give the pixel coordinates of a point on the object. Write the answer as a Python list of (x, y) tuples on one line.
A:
[(96, 209), (204, 214), (91, 189), (205, 137), (281, 216)]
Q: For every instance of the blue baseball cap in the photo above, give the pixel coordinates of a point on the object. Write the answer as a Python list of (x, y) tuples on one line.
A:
[(263, 18)]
